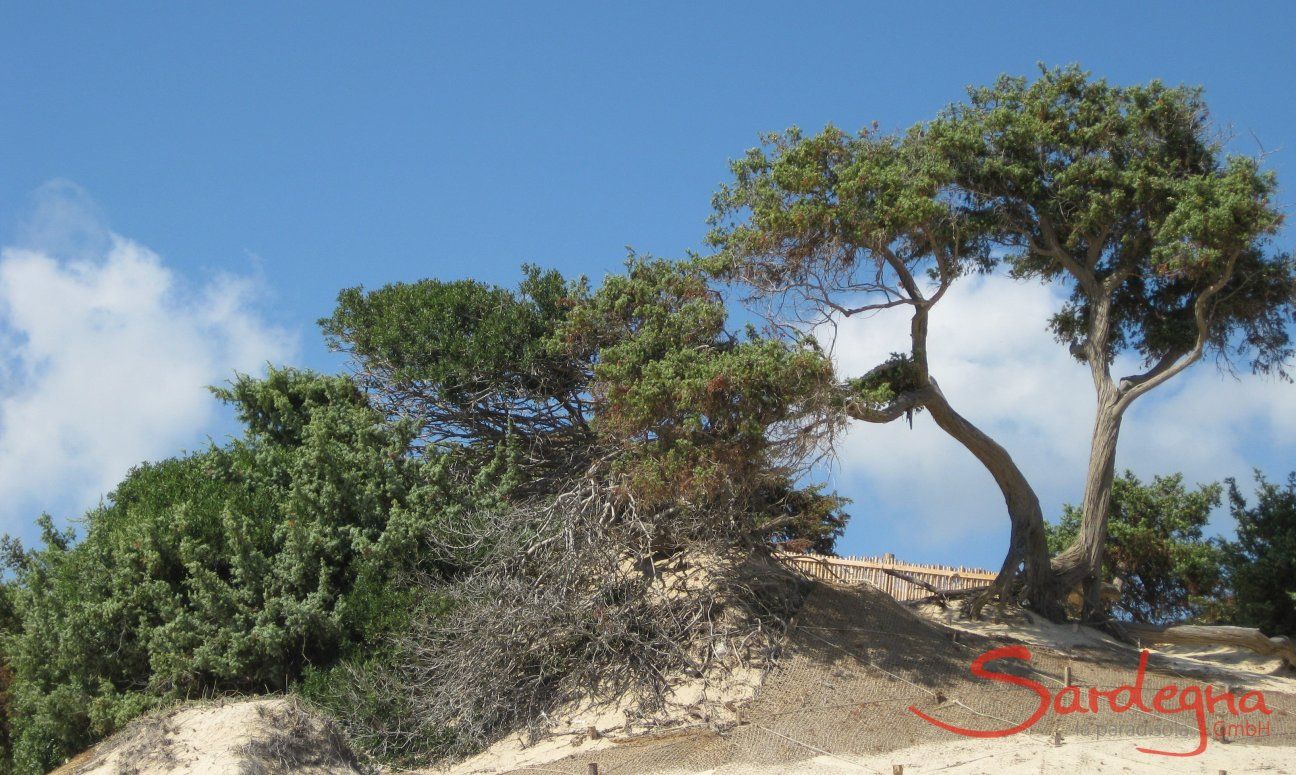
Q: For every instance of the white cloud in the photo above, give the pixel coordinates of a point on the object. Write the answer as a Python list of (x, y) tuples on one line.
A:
[(1003, 370), (108, 355)]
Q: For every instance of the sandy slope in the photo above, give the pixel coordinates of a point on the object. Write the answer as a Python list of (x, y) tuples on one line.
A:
[(1222, 663), (255, 737), (838, 702), (1033, 756)]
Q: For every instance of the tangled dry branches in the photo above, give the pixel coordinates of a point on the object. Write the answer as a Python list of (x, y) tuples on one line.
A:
[(580, 597)]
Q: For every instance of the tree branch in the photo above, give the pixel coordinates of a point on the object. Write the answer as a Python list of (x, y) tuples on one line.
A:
[(900, 405), (906, 277), (1203, 319), (1068, 262)]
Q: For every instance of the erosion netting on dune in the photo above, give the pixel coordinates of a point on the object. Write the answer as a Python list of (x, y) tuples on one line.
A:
[(856, 661)]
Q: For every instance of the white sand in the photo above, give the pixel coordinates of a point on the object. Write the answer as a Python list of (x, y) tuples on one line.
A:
[(582, 729), (212, 739), (1224, 662), (1028, 755)]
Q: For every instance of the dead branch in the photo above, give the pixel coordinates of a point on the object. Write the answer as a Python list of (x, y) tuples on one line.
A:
[(1202, 635), (939, 596), (947, 595), (578, 596)]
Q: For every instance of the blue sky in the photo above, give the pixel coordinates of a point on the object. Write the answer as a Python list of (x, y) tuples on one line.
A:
[(246, 162)]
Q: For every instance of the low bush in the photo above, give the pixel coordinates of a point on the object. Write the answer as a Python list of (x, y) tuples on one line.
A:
[(235, 569)]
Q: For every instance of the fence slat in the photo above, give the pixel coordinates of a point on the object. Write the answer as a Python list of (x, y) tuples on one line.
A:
[(869, 569)]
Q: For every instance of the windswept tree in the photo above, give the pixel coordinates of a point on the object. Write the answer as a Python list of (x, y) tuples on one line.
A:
[(470, 364), (639, 552), (1125, 197), (639, 383), (823, 227), (1120, 195)]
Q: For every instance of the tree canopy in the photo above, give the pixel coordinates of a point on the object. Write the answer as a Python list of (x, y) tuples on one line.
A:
[(639, 381), (1126, 195), (472, 365), (1121, 195)]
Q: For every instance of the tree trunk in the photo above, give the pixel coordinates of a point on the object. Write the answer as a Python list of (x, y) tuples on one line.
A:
[(1027, 543), (1081, 563)]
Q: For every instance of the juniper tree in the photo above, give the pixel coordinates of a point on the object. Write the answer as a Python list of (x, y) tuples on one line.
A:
[(1121, 195), (469, 363), (233, 569), (639, 382), (640, 553), (1261, 562), (1125, 197), (1166, 569)]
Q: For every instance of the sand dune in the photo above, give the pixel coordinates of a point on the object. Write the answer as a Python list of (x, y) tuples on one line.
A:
[(838, 701)]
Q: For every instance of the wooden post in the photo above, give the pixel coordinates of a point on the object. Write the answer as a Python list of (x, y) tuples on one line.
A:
[(1066, 675), (897, 769), (593, 769)]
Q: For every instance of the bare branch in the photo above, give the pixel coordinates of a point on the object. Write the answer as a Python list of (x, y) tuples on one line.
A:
[(1202, 316)]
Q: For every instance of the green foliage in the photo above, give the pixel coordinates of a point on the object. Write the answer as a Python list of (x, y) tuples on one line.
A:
[(1262, 561), (804, 207), (461, 336), (641, 377), (896, 375), (694, 413), (1127, 184), (1155, 550), (233, 569), (833, 224), (471, 364)]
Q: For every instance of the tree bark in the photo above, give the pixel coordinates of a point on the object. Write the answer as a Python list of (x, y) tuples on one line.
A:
[(1196, 635), (1081, 563), (1027, 542)]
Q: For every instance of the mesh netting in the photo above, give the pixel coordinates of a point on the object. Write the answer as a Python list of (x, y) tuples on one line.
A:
[(857, 660)]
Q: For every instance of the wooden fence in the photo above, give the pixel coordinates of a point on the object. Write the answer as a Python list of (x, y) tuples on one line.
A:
[(873, 570)]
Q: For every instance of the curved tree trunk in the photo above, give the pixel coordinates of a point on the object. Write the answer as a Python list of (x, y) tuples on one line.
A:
[(1027, 545)]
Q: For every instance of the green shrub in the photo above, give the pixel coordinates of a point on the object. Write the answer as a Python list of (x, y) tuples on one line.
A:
[(1262, 561), (235, 569), (1156, 551)]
